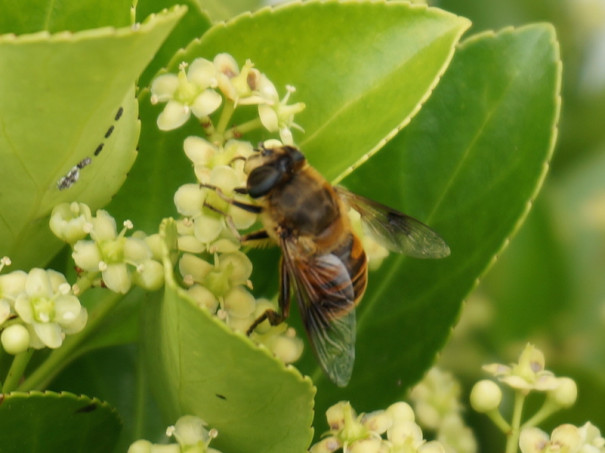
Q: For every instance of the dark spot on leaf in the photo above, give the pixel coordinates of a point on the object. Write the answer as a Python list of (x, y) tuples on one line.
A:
[(83, 410), (218, 395)]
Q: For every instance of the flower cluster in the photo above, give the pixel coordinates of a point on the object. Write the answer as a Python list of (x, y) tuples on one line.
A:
[(363, 433), (213, 269), (528, 375), (436, 401), (109, 257), (201, 87), (190, 433), (564, 438), (37, 310)]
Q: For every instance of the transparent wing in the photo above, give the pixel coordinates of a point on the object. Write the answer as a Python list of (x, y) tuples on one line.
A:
[(395, 230), (325, 296)]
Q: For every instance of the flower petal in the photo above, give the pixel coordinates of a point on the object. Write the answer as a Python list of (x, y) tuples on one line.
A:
[(49, 333), (206, 103), (116, 278), (173, 116)]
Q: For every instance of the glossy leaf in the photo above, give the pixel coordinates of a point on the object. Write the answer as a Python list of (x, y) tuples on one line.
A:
[(469, 166), (61, 95), (403, 66), (201, 367), (357, 95), (48, 422)]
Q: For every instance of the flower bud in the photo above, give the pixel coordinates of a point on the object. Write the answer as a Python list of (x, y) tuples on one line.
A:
[(237, 265), (189, 430), (15, 339), (149, 275), (140, 446), (203, 298), (485, 396), (86, 255), (286, 348), (195, 266), (336, 415), (103, 226), (70, 222), (565, 394), (401, 412), (239, 303)]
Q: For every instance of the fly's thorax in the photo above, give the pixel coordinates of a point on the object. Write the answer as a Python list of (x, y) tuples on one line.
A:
[(306, 204)]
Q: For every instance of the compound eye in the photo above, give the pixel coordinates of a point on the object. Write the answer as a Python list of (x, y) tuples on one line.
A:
[(262, 180)]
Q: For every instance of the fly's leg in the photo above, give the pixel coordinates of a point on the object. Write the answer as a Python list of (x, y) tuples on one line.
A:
[(271, 315)]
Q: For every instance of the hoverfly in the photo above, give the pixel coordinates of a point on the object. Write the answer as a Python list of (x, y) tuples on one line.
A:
[(322, 258)]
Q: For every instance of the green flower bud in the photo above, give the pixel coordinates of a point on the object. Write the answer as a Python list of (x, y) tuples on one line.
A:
[(224, 245), (239, 303), (405, 433), (149, 275), (287, 348), (103, 227), (337, 414), (401, 412), (136, 250), (485, 396), (203, 298), (117, 278), (15, 339), (190, 430), (86, 255), (194, 266), (191, 244), (237, 265), (565, 394), (70, 222)]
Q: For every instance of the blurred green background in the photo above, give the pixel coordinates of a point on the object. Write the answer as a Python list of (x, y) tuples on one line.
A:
[(548, 286)]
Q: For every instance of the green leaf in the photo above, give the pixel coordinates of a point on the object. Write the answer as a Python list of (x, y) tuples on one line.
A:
[(66, 15), (363, 69), (60, 97), (56, 422), (381, 86), (469, 166), (221, 10), (201, 367), (192, 25)]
